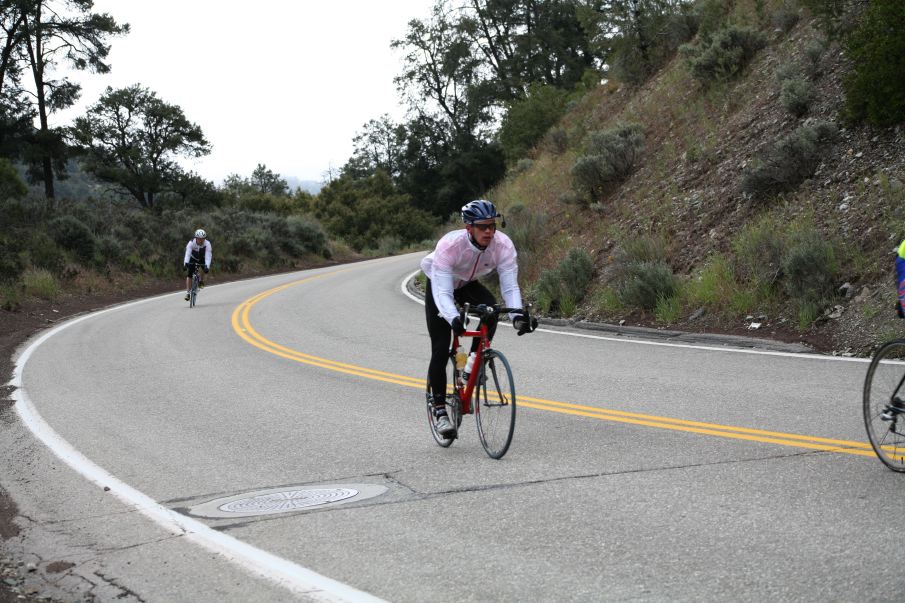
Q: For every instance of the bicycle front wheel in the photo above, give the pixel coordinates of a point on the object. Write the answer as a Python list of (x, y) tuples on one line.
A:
[(884, 404), (495, 404)]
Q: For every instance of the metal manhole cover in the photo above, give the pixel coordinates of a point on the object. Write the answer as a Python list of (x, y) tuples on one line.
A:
[(287, 501), (268, 502)]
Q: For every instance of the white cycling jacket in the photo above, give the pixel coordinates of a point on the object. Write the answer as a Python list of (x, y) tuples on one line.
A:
[(194, 248), (457, 261)]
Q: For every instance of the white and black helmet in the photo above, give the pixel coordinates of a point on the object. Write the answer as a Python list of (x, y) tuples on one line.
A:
[(200, 234)]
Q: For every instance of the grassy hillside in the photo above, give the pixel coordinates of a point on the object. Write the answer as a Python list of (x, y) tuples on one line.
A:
[(697, 236)]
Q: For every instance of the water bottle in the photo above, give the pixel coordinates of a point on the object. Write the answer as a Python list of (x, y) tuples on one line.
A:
[(468, 365), (460, 359)]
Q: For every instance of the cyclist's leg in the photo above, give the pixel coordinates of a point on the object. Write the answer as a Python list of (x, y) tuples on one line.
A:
[(188, 278), (441, 337), (475, 293)]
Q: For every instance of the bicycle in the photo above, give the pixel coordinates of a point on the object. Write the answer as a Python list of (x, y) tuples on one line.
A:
[(494, 406), (196, 285), (884, 404)]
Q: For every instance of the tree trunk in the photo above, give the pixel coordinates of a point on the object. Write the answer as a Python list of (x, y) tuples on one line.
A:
[(36, 55), (44, 138)]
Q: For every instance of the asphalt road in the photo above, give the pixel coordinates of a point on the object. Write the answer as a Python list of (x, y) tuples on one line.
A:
[(637, 471)]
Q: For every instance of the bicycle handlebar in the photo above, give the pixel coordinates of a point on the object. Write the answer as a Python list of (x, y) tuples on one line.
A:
[(483, 310)]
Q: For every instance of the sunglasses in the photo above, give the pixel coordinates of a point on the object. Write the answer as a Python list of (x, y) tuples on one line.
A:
[(485, 227)]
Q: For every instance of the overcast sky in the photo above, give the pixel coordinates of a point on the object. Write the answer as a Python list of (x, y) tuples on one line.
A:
[(283, 83)]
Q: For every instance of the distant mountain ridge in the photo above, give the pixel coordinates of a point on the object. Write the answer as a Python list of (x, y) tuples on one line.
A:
[(311, 186)]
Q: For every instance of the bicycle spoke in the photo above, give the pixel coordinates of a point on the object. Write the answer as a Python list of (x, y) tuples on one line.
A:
[(495, 405), (883, 406)]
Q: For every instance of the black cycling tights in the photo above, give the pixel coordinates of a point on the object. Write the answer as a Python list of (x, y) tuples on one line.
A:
[(473, 293)]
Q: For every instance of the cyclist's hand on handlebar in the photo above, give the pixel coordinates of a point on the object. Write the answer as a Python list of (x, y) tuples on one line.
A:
[(206, 270), (457, 326), (524, 324)]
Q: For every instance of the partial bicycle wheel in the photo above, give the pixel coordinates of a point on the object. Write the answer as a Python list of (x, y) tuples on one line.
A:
[(884, 404), (495, 404), (452, 407)]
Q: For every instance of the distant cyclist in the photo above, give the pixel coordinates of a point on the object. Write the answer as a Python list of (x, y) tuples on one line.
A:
[(198, 252), (452, 268)]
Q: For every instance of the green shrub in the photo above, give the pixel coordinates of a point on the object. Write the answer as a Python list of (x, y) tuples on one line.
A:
[(796, 96), (10, 297), (562, 288), (787, 71), (809, 267), (589, 177), (610, 157), (567, 305), (643, 284), (523, 165), (668, 309), (725, 56), (43, 252), (11, 264), (644, 248), (875, 89), (548, 290), (714, 285), (759, 249), (608, 301), (813, 52), (790, 162), (306, 235), (389, 245), (808, 312), (576, 271), (73, 235), (40, 283), (109, 250)]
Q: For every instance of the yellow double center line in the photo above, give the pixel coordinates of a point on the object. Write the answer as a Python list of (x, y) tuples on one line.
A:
[(243, 327)]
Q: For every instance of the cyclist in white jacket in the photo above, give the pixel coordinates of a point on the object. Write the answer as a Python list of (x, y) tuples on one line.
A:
[(452, 269), (198, 252)]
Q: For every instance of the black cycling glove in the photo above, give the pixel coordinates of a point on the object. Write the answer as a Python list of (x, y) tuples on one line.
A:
[(206, 270), (524, 325), (457, 326)]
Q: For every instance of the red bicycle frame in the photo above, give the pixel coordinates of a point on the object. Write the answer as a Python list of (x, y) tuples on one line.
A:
[(468, 389)]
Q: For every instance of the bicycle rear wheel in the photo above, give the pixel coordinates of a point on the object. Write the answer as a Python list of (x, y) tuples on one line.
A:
[(452, 406), (495, 404), (884, 404)]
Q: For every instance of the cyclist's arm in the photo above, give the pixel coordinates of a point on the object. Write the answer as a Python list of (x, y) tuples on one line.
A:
[(188, 253), (208, 252), (512, 295), (442, 290)]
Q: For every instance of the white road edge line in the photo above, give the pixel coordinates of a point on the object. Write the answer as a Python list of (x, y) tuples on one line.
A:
[(287, 574), (690, 346)]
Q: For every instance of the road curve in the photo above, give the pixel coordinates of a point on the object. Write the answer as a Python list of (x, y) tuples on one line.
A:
[(637, 472)]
